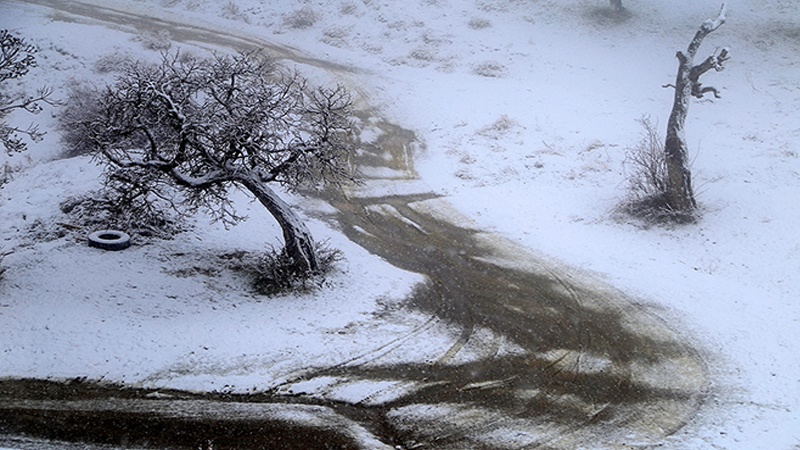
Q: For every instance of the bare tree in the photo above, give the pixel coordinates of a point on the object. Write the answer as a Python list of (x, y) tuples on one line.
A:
[(205, 126), (16, 60), (680, 195)]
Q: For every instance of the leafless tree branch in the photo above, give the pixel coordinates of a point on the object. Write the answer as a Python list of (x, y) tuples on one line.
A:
[(206, 125)]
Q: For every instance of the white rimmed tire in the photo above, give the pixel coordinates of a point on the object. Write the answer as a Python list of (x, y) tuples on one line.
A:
[(110, 240)]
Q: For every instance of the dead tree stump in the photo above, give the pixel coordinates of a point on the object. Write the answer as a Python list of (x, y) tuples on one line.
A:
[(680, 195)]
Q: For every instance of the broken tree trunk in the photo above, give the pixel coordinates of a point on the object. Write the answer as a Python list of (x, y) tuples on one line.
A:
[(680, 195)]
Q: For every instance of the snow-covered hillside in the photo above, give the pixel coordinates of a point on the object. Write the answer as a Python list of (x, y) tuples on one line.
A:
[(524, 110)]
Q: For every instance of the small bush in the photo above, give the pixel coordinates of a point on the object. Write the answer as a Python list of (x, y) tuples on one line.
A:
[(161, 40), (479, 23), (646, 172), (81, 103), (231, 10), (646, 163), (423, 54), (113, 62), (335, 36), (608, 16), (490, 69), (348, 8), (301, 19), (273, 273), (501, 127)]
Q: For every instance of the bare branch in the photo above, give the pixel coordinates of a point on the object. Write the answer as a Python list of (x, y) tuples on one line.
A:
[(16, 56), (206, 125), (207, 180), (705, 29), (16, 59), (715, 61)]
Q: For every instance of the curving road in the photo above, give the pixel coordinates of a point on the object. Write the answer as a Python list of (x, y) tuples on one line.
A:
[(542, 359)]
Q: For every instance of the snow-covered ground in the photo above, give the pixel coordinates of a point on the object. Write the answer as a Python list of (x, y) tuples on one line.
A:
[(525, 110)]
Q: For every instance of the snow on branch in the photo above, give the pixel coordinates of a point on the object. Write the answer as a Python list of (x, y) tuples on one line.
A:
[(206, 180), (689, 73), (719, 20), (705, 29)]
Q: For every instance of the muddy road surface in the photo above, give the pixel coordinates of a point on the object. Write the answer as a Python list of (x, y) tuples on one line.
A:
[(539, 357)]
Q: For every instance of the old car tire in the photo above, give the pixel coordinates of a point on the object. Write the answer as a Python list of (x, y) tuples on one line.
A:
[(109, 240)]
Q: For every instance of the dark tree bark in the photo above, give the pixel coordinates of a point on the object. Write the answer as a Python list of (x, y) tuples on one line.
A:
[(299, 244), (680, 194)]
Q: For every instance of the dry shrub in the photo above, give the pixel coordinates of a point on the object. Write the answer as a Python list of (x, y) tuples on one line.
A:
[(274, 272), (336, 36), (348, 8), (302, 18), (501, 127), (490, 69), (159, 40), (479, 23), (112, 62), (606, 16), (646, 172), (646, 163), (231, 10)]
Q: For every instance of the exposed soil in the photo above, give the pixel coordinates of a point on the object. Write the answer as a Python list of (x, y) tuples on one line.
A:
[(45, 414), (543, 358)]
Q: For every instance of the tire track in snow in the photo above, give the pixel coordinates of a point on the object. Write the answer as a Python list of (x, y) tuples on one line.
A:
[(584, 367)]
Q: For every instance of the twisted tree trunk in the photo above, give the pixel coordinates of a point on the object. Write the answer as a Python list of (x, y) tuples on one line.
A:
[(299, 244), (680, 195)]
